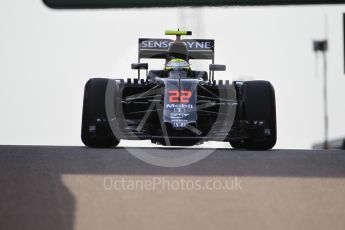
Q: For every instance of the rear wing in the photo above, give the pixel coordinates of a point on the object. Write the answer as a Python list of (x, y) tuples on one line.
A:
[(157, 48)]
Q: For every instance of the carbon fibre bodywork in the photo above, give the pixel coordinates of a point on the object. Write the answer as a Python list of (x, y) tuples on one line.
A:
[(142, 110)]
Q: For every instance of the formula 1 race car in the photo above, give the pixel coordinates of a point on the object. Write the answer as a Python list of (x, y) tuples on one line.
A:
[(178, 106)]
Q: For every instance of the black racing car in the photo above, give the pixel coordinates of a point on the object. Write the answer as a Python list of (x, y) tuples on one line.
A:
[(178, 105)]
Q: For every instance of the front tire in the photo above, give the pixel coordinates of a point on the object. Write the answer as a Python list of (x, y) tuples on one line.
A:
[(258, 99), (95, 131)]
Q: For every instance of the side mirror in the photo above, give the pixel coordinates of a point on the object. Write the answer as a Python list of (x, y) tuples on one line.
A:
[(215, 67), (139, 66)]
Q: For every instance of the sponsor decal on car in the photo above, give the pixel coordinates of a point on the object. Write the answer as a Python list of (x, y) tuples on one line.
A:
[(178, 115), (164, 44), (192, 44), (182, 106)]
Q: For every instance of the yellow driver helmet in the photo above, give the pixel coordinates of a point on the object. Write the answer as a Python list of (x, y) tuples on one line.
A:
[(177, 64)]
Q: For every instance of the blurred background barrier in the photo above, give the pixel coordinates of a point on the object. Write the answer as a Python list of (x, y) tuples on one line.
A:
[(174, 3)]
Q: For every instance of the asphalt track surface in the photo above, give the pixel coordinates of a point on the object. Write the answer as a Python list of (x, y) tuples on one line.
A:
[(65, 188)]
